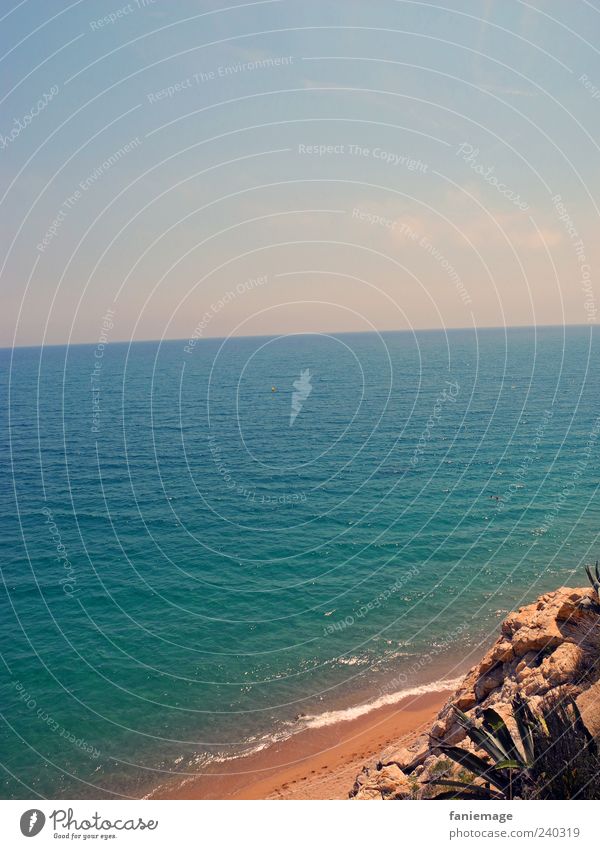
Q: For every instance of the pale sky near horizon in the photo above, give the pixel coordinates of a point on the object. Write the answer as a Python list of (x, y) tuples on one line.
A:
[(284, 166)]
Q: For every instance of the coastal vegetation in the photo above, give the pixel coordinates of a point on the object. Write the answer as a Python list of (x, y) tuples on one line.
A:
[(552, 755)]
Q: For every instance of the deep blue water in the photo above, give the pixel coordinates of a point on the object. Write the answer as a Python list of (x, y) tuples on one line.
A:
[(185, 572)]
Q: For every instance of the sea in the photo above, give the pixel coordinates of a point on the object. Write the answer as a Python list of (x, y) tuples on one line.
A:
[(210, 547)]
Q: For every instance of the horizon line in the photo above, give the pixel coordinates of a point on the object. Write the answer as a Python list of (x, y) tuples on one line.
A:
[(474, 328)]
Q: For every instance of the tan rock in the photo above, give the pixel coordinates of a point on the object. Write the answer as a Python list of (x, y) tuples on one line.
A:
[(537, 636), (538, 626), (466, 700), (360, 781), (487, 662), (501, 652), (393, 782), (368, 793), (535, 684), (387, 783), (513, 622), (588, 703), (407, 758), (523, 674), (569, 603), (563, 665), (448, 730), (489, 682), (525, 667), (528, 660)]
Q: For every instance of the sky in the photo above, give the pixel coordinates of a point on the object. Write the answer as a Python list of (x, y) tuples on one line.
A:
[(184, 170)]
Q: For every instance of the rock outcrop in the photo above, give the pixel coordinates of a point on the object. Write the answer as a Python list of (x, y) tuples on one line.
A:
[(552, 643)]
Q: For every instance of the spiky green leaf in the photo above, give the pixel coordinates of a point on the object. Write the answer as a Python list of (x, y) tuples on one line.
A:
[(508, 764), (495, 724), (466, 786), (591, 577), (466, 795), (476, 765), (526, 724), (481, 737)]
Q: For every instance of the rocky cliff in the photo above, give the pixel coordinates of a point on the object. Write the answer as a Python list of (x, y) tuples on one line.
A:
[(550, 644)]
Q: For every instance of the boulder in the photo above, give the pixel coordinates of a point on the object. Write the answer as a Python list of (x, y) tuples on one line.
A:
[(368, 793), (537, 626), (563, 665), (393, 783), (407, 757), (489, 682), (389, 782), (501, 652), (588, 703)]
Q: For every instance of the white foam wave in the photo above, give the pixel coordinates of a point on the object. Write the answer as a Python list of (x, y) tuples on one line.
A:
[(334, 716), (259, 743)]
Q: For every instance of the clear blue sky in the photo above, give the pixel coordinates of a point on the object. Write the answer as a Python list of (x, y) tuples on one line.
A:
[(156, 156)]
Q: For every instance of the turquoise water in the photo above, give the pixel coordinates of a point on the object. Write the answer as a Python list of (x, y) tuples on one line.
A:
[(189, 573)]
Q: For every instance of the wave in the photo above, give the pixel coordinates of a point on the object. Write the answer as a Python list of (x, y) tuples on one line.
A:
[(346, 714), (258, 743)]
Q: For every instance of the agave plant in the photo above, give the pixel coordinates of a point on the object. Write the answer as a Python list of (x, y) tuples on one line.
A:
[(592, 604), (554, 757), (508, 772)]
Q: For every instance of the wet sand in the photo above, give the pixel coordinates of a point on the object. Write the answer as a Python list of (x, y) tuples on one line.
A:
[(318, 763)]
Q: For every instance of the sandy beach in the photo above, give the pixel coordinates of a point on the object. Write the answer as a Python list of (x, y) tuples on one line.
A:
[(319, 763)]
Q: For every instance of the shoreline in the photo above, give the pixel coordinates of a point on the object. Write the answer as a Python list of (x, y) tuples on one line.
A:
[(317, 762)]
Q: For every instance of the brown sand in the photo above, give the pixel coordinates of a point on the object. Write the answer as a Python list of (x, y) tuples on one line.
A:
[(319, 763)]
